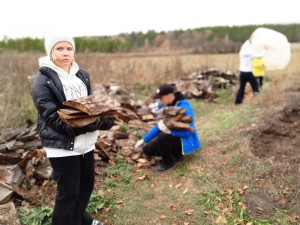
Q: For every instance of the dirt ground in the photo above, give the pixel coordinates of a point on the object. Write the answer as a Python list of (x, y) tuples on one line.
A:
[(276, 139)]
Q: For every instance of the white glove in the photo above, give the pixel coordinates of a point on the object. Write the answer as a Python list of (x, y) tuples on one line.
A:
[(163, 127), (154, 107), (139, 143)]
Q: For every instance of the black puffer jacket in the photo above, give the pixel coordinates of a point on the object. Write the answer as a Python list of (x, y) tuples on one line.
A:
[(48, 96)]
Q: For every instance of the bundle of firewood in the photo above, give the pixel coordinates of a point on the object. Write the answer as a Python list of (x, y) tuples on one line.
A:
[(174, 118), (86, 110)]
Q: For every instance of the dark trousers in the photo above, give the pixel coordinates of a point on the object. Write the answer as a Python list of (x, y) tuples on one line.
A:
[(244, 78), (75, 182), (166, 146), (260, 81)]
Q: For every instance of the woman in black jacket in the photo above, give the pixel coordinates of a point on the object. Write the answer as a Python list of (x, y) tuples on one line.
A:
[(70, 150)]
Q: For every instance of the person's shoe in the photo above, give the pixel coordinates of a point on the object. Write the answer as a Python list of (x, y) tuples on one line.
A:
[(97, 222), (163, 167)]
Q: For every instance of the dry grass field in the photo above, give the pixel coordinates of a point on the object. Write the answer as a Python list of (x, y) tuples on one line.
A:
[(236, 178), (16, 68)]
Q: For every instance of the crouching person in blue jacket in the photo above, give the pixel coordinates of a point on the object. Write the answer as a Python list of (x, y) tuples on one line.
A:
[(171, 145)]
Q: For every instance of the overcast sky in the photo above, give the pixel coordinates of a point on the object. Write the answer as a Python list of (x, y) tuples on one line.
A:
[(37, 18)]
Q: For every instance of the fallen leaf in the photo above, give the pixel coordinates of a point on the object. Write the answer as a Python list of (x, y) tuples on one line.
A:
[(293, 218), (219, 199), (224, 220), (243, 205), (173, 207), (185, 191), (143, 161), (178, 185), (229, 191), (221, 205), (282, 200), (218, 220), (224, 211), (143, 177), (189, 211), (209, 212), (240, 191), (120, 201), (229, 174), (162, 217), (260, 209), (100, 192)]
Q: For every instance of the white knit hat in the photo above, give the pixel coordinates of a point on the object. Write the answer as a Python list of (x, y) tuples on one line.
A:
[(51, 41)]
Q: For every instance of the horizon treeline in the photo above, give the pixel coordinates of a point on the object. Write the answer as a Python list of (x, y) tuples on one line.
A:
[(218, 39)]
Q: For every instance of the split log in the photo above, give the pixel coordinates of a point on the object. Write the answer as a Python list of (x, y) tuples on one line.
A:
[(9, 176), (28, 195), (121, 135), (6, 192), (10, 159), (10, 134), (101, 150), (91, 104), (79, 122), (172, 124), (174, 118)]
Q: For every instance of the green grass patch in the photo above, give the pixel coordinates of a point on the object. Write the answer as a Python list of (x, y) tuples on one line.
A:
[(202, 109), (220, 120), (97, 203), (231, 147), (36, 216), (124, 128), (119, 173), (226, 206), (200, 177), (225, 96), (281, 217), (183, 168), (43, 215)]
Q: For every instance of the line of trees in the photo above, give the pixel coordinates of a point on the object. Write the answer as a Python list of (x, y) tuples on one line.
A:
[(219, 39)]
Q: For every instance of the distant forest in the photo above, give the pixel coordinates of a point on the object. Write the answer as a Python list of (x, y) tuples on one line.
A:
[(218, 39)]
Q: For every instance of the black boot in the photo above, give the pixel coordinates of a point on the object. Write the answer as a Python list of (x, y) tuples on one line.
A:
[(178, 159), (163, 167)]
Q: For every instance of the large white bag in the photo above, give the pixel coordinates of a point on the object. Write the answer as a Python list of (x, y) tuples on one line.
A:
[(278, 48)]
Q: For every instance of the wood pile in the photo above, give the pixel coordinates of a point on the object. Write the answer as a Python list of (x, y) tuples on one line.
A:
[(202, 85), (23, 162)]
